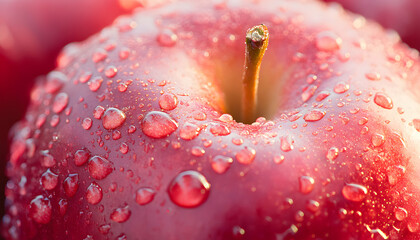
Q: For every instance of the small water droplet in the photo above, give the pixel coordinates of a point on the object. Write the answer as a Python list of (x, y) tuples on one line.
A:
[(382, 100), (168, 101), (332, 153), (99, 55), (314, 115), (111, 71), (278, 159), (221, 164), (113, 118), (378, 139), (95, 83), (81, 157), (286, 143), (121, 215), (401, 214), (197, 151), (246, 155), (328, 41), (49, 180), (124, 53), (98, 112), (99, 167), (55, 81), (308, 93), (94, 194), (220, 130), (124, 148), (341, 87), (227, 118), (104, 229), (312, 206), (116, 135), (189, 131), (71, 184), (354, 192), (47, 160), (189, 189), (62, 205), (306, 184), (167, 38), (60, 102), (158, 125), (40, 209), (374, 76), (413, 226), (55, 119), (322, 95), (145, 195), (416, 124), (87, 123), (85, 77)]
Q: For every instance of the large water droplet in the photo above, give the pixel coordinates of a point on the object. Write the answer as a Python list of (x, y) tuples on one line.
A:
[(168, 101), (120, 215), (158, 125), (60, 102), (286, 143), (246, 156), (40, 209), (328, 41), (71, 184), (306, 184), (401, 214), (49, 180), (94, 194), (145, 195), (382, 100), (221, 164), (314, 115), (81, 157), (113, 118), (189, 189), (99, 167), (354, 192), (189, 131)]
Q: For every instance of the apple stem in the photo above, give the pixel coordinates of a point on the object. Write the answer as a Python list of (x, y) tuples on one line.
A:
[(256, 44)]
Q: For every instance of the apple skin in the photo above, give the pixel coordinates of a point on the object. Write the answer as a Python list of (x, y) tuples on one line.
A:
[(399, 15), (137, 145)]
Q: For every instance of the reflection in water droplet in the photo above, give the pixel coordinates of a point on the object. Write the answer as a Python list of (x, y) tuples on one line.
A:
[(189, 189), (382, 100), (145, 195), (158, 125), (221, 164), (113, 118), (354, 192), (40, 209)]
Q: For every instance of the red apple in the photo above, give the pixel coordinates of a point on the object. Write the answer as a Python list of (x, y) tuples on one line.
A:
[(400, 15), (131, 137)]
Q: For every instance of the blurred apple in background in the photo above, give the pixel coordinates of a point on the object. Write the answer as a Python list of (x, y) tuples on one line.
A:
[(401, 15)]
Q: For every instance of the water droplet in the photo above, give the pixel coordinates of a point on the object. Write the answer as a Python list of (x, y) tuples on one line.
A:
[(219, 130), (168, 101), (81, 157), (111, 71), (145, 195), (227, 118), (99, 167), (374, 76), (286, 143), (189, 189), (95, 83), (47, 160), (62, 204), (55, 119), (85, 77), (278, 159), (113, 118), (121, 215), (104, 229), (99, 55), (40, 209), (167, 38), (416, 124), (87, 123), (378, 139), (246, 155), (382, 100), (314, 115), (124, 148), (189, 131), (395, 174), (322, 95), (341, 87), (94, 194), (116, 135), (306, 184), (124, 53), (98, 112), (328, 41), (413, 226), (197, 151), (332, 153), (221, 164), (60, 102), (308, 93), (71, 184), (158, 125), (312, 206), (401, 214), (354, 192), (55, 81), (49, 180)]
